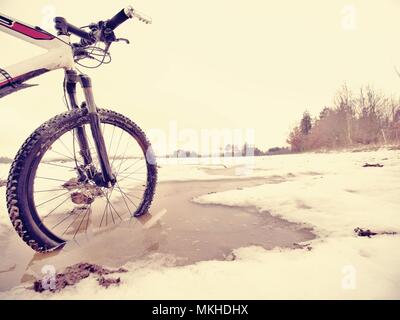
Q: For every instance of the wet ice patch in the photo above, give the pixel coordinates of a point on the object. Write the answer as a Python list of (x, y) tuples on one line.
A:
[(324, 202)]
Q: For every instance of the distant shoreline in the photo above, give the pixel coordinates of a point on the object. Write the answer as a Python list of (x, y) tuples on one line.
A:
[(7, 160)]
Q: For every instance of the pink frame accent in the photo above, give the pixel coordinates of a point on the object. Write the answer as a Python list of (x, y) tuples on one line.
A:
[(58, 56)]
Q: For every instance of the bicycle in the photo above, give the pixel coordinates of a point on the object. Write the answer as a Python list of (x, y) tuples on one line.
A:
[(62, 176)]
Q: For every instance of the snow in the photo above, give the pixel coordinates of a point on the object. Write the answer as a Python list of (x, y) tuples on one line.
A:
[(334, 202), (186, 169), (353, 268), (329, 192)]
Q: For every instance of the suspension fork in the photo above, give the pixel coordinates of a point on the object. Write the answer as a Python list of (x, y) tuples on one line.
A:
[(70, 87), (108, 178)]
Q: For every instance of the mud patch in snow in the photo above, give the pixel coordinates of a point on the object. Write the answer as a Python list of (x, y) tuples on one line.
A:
[(74, 274), (368, 233)]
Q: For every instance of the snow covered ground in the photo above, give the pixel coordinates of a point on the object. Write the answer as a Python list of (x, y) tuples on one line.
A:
[(330, 192)]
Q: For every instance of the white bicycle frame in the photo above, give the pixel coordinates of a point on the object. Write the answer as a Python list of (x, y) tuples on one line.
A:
[(58, 56)]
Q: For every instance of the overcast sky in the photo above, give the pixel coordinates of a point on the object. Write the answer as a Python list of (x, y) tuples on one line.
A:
[(215, 63)]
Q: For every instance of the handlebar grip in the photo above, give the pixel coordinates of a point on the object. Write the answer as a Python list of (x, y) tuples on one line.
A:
[(119, 18)]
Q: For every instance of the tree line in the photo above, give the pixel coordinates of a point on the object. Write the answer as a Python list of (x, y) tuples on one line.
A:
[(367, 117)]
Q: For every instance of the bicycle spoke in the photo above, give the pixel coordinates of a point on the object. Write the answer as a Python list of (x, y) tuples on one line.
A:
[(133, 178), (87, 221), (76, 218), (49, 190), (84, 216), (140, 188), (123, 156), (47, 201), (129, 176), (46, 216), (122, 162), (116, 152), (123, 197), (62, 220), (134, 172), (112, 215), (59, 165), (66, 148), (52, 179), (131, 167), (112, 137), (61, 154), (91, 147), (112, 207), (128, 198), (104, 213)]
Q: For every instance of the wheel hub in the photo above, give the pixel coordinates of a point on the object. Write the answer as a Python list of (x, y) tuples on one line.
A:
[(83, 192)]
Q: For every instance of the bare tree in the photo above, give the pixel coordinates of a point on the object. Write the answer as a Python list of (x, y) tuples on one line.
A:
[(369, 118)]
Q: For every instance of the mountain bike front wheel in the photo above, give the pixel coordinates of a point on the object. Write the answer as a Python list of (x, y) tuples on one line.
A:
[(52, 194)]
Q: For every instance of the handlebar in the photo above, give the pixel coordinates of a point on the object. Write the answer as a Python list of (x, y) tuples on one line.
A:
[(129, 12), (64, 27)]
